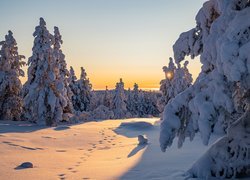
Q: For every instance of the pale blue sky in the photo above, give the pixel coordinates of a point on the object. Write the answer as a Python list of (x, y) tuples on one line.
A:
[(131, 39)]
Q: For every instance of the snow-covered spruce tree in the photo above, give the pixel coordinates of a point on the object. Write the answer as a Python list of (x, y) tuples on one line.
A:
[(107, 99), (119, 104), (11, 102), (72, 80), (151, 107), (94, 101), (177, 79), (135, 101), (129, 101), (61, 71), (81, 89), (219, 100), (44, 101), (85, 89), (142, 104)]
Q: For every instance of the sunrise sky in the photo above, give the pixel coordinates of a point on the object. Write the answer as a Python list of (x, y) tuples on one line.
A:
[(111, 39)]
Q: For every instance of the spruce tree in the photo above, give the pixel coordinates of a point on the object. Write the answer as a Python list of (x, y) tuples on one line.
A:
[(43, 98), (107, 99), (177, 79), (11, 102), (61, 71), (222, 40), (119, 104), (81, 89)]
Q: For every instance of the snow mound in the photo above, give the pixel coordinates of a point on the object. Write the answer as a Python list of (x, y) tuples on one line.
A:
[(140, 125), (142, 140)]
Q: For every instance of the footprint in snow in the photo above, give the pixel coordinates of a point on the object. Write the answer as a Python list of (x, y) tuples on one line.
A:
[(48, 137), (61, 150)]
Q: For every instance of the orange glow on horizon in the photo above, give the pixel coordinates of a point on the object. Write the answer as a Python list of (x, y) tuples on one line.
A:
[(101, 76)]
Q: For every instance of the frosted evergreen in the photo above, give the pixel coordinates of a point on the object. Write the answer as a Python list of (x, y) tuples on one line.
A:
[(81, 89), (107, 99), (61, 71), (177, 79), (218, 102), (44, 90), (11, 102), (119, 104)]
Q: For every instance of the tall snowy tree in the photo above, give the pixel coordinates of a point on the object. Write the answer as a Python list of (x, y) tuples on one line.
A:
[(119, 104), (11, 102), (141, 104), (107, 99), (61, 71), (219, 100), (136, 103), (177, 79), (130, 101), (82, 91), (151, 107), (135, 100), (43, 98), (72, 80)]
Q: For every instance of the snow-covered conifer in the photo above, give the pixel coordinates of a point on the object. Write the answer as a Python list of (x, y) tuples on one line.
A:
[(43, 101), (81, 89), (141, 104), (11, 102), (119, 104), (61, 71), (151, 107), (222, 39), (129, 101), (107, 99), (72, 80), (94, 101), (177, 79), (135, 100)]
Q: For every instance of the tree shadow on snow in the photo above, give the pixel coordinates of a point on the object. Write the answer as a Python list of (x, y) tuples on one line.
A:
[(19, 127), (61, 128), (136, 150), (153, 164), (26, 127)]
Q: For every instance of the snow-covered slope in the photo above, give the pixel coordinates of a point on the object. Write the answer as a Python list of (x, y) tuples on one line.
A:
[(94, 150)]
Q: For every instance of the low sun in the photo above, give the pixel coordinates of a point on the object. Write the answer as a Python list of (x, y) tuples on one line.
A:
[(169, 75)]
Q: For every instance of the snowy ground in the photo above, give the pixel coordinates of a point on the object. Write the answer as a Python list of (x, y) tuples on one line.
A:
[(94, 150)]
